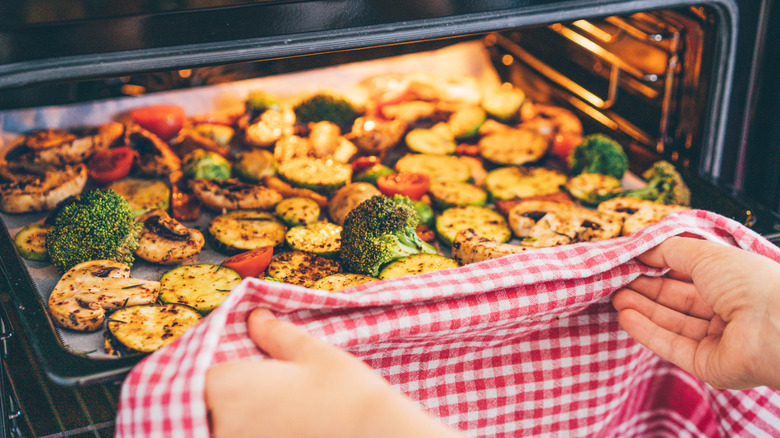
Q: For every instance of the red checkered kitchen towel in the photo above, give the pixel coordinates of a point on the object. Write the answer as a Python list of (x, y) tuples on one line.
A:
[(525, 345)]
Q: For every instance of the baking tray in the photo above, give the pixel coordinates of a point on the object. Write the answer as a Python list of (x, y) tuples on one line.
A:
[(73, 358)]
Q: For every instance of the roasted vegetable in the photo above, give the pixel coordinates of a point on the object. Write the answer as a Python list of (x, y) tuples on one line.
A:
[(201, 163), (592, 188), (664, 185), (254, 164), (598, 153), (260, 101), (98, 225), (378, 231), (327, 107)]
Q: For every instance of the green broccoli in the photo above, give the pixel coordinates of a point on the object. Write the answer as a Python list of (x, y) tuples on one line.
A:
[(327, 107), (664, 185), (378, 231), (97, 225), (260, 101), (598, 153)]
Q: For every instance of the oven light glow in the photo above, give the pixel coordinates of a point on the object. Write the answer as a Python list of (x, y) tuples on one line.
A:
[(507, 60), (185, 73), (133, 90), (369, 125)]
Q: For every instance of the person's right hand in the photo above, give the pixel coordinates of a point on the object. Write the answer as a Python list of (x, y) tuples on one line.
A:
[(716, 314)]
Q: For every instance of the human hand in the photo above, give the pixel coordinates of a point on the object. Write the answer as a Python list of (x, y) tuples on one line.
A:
[(308, 389), (716, 314)]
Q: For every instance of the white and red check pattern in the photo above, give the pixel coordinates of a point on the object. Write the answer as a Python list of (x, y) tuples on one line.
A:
[(525, 345)]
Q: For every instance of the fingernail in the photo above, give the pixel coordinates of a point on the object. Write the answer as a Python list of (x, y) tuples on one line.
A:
[(261, 313)]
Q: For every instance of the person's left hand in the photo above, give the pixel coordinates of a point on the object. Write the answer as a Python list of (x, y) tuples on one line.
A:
[(308, 389)]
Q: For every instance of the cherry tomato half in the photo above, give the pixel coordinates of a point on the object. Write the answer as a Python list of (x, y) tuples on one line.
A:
[(110, 165), (163, 120), (563, 144), (251, 263), (362, 163), (413, 185)]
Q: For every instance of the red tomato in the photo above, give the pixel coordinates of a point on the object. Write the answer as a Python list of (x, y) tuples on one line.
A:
[(413, 185), (563, 144), (251, 263), (163, 120), (362, 163), (111, 164)]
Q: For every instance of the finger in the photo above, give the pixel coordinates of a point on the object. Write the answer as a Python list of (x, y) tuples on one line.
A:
[(675, 348), (664, 317), (281, 339), (674, 294)]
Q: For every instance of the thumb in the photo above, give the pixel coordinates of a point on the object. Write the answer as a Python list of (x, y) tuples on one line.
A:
[(281, 340)]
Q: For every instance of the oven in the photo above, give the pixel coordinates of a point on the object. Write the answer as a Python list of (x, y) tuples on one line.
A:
[(689, 82)]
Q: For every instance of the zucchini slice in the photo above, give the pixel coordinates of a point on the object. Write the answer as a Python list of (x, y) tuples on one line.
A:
[(254, 164), (437, 167), (593, 188), (324, 176), (30, 241), (523, 182), (342, 281), (513, 146), (446, 194), (503, 103), (203, 286), (149, 327), (321, 238), (301, 268), (429, 141), (143, 194), (465, 122), (415, 265), (484, 221), (297, 211), (242, 230)]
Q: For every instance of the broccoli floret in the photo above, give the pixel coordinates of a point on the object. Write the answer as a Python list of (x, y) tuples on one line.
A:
[(664, 185), (378, 231), (598, 153), (98, 225), (260, 101), (327, 107)]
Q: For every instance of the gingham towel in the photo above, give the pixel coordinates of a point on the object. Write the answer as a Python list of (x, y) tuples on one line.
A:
[(525, 345)]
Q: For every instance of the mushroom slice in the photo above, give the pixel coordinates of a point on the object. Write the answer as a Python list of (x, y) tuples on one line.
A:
[(166, 241), (86, 291), (638, 213), (155, 157), (469, 247), (597, 225), (523, 216), (232, 194), (57, 148), (553, 229), (28, 193)]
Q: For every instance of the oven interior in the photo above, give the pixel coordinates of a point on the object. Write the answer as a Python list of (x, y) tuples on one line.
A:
[(656, 80)]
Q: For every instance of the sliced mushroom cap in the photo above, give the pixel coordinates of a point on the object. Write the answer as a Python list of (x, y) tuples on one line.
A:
[(638, 213), (469, 247), (232, 194), (86, 291), (165, 240), (155, 157), (30, 193), (523, 216)]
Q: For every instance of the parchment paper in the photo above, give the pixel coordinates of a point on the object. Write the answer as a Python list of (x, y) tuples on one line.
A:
[(465, 58)]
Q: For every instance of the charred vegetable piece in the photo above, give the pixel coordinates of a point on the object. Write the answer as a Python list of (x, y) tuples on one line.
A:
[(437, 167), (143, 194), (255, 164), (298, 211), (166, 241), (337, 282), (30, 241), (320, 175), (201, 163), (301, 268), (233, 194), (147, 328), (322, 238), (484, 221), (593, 188), (513, 146), (239, 230), (523, 182), (446, 194), (429, 141), (202, 286), (504, 103), (465, 122), (25, 193), (416, 265)]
